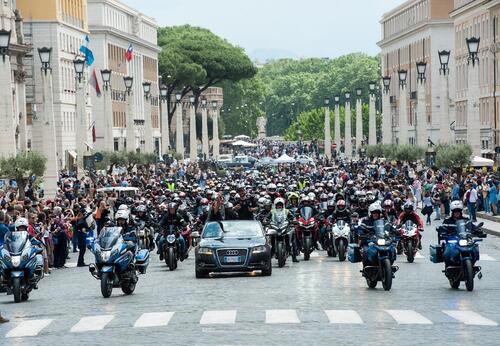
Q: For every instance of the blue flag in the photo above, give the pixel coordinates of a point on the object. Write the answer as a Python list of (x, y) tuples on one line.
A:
[(89, 56)]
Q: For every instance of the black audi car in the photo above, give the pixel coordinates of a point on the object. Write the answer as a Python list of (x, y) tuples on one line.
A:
[(232, 246)]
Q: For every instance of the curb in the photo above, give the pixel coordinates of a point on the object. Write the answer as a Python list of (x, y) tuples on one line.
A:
[(491, 232)]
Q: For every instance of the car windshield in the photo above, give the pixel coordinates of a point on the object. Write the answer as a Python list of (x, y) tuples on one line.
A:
[(15, 241), (238, 229), (109, 237)]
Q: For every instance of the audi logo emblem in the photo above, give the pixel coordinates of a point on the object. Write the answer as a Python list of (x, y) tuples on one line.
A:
[(232, 252)]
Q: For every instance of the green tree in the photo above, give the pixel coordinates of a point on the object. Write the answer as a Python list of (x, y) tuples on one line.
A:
[(453, 156), (22, 168)]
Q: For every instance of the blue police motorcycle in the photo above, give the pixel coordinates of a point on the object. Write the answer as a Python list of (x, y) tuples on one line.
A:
[(459, 250), (117, 262), (21, 265)]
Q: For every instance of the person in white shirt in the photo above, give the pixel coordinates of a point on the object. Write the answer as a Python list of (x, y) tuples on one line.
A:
[(471, 199)]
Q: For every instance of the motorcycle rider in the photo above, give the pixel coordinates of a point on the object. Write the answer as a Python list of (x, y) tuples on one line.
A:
[(389, 210), (127, 230), (142, 215), (172, 218), (409, 214), (279, 206), (341, 212)]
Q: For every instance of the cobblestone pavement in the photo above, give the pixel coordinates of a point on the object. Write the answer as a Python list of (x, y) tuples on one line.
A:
[(320, 302)]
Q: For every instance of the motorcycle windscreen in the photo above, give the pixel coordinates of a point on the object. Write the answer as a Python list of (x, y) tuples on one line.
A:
[(462, 230), (379, 228), (306, 212), (15, 242), (109, 237), (409, 225), (341, 224), (278, 217)]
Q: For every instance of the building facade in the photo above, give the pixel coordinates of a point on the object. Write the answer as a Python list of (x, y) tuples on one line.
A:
[(113, 28), (413, 32), (60, 25)]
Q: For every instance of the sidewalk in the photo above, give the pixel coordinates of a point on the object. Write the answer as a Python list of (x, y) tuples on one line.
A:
[(491, 223)]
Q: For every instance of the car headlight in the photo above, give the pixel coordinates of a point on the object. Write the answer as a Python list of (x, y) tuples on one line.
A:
[(16, 261), (463, 242), (105, 255), (381, 242), (205, 251), (259, 249)]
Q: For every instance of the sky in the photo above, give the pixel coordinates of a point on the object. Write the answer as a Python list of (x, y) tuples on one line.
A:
[(280, 28)]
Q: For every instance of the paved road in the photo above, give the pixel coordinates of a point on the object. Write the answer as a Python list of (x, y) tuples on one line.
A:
[(320, 302)]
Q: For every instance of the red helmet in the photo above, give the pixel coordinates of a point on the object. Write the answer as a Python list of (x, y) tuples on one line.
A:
[(341, 204), (204, 201), (388, 203)]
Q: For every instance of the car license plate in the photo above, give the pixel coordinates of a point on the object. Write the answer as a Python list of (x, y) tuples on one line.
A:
[(232, 259)]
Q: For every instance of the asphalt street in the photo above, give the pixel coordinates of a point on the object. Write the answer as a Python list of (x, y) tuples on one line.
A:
[(320, 302)]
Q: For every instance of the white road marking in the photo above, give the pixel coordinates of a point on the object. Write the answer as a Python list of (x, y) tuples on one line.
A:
[(28, 328), (153, 319), (282, 316), (218, 317), (344, 316), (418, 255), (71, 264), (91, 323), (470, 318), (486, 258), (408, 317)]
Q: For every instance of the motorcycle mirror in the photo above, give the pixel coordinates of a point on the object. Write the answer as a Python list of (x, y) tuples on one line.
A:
[(39, 251), (481, 224)]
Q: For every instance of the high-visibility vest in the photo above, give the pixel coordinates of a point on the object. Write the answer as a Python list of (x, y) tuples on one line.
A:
[(171, 187), (302, 185)]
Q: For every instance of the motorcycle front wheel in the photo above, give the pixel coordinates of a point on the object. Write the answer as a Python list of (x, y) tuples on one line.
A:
[(106, 285), (409, 252), (307, 248), (386, 269), (128, 288), (16, 289), (341, 248), (280, 251), (469, 275), (171, 260)]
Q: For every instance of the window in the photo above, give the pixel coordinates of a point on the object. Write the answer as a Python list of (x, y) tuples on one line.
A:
[(116, 144)]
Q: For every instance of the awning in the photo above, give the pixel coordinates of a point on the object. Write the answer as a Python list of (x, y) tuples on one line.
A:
[(487, 151), (478, 161), (72, 154)]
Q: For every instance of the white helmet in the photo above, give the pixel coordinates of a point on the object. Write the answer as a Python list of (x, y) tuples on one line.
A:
[(375, 207), (123, 207), (456, 205), (21, 222), (311, 195), (122, 214), (279, 200)]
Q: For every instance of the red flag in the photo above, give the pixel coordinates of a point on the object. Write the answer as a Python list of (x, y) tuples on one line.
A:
[(129, 53), (95, 83), (93, 133)]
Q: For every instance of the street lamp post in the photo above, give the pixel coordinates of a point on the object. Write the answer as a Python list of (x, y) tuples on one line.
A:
[(7, 129), (403, 108), (473, 119), (348, 131), (81, 115), (215, 130), (179, 128), (107, 111), (165, 129), (204, 128), (421, 136), (359, 120), (386, 109), (193, 150), (336, 133), (328, 139), (148, 127), (45, 134), (444, 129), (131, 143), (4, 43), (372, 118)]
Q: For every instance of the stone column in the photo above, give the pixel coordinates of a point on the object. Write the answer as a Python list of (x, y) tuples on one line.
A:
[(421, 114), (193, 145), (336, 138), (386, 119), (46, 125), (21, 106), (215, 122), (148, 127), (444, 128), (328, 135), (348, 132), (108, 120), (131, 140), (359, 124), (372, 122), (473, 120), (165, 128), (179, 130), (7, 128), (82, 123), (403, 116), (204, 132)]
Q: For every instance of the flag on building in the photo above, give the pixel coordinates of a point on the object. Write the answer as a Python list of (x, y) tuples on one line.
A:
[(129, 53), (95, 83), (89, 56), (94, 138)]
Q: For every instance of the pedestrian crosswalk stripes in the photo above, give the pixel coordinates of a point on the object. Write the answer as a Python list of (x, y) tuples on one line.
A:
[(27, 328)]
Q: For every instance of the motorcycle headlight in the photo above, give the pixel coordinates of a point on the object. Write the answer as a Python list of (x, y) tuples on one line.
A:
[(16, 261), (259, 249), (463, 242), (205, 251), (381, 242), (105, 255)]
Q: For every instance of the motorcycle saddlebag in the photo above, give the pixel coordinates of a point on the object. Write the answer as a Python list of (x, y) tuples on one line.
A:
[(436, 253), (354, 253), (142, 260)]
